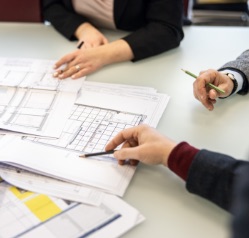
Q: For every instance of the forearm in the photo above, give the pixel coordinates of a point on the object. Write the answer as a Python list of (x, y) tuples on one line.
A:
[(161, 31), (153, 40), (65, 20), (212, 176), (208, 174), (116, 51)]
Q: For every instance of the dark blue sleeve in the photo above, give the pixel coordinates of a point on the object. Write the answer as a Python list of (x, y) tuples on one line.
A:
[(212, 176), (240, 206)]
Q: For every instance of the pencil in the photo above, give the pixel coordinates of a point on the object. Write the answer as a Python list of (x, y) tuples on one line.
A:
[(209, 84), (80, 44), (97, 153)]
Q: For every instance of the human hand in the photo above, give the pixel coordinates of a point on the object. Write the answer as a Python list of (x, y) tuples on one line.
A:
[(206, 95), (91, 36), (141, 143), (80, 63), (83, 62)]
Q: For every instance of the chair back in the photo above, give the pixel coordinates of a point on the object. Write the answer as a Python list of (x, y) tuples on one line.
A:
[(20, 10)]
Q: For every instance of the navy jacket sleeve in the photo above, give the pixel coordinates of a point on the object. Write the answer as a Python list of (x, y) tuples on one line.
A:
[(224, 181), (212, 176), (240, 208)]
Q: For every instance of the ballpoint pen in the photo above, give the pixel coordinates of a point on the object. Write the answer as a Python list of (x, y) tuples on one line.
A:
[(80, 44), (209, 84)]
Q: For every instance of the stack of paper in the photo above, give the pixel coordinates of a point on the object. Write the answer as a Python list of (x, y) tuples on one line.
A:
[(27, 214), (52, 122)]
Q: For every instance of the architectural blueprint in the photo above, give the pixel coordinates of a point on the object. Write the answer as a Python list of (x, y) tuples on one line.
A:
[(98, 114), (31, 100)]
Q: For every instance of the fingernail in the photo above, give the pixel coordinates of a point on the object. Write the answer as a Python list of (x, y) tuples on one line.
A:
[(61, 76), (55, 74)]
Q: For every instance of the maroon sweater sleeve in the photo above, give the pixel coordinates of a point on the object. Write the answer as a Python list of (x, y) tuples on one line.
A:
[(181, 158)]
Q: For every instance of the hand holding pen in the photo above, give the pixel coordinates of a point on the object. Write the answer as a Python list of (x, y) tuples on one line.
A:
[(210, 85)]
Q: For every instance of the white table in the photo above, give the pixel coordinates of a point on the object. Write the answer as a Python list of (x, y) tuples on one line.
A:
[(161, 197)]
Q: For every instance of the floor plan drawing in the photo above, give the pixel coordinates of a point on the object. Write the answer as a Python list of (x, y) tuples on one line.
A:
[(34, 111), (34, 74), (25, 107), (88, 129), (32, 101)]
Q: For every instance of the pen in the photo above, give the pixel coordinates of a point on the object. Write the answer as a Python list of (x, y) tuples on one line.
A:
[(209, 84), (80, 44), (97, 153)]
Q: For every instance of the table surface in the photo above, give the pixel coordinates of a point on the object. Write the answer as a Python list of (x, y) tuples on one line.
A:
[(155, 191)]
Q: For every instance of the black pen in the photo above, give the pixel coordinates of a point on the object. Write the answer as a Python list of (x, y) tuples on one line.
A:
[(97, 153), (80, 44)]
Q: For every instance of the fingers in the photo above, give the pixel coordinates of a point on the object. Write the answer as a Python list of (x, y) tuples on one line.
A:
[(127, 155), (206, 95), (72, 69), (74, 72), (64, 60), (128, 136), (207, 99)]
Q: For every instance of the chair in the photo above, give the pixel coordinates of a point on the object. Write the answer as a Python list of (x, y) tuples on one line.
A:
[(186, 20), (20, 11)]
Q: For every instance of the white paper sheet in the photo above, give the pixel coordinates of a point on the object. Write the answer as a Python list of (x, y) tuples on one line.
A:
[(52, 187), (26, 214), (137, 101), (99, 114), (34, 111), (32, 101), (34, 74), (107, 176)]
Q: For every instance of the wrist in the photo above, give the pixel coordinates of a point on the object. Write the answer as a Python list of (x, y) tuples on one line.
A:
[(181, 158), (169, 147), (117, 51), (239, 79), (81, 28)]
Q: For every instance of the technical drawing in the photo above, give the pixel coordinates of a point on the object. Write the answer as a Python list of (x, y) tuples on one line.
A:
[(28, 108), (88, 129)]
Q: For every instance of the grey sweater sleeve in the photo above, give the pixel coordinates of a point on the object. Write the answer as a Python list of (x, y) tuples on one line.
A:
[(241, 64)]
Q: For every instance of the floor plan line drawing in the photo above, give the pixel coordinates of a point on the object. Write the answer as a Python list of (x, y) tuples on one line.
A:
[(32, 79), (24, 107), (35, 74), (88, 129), (23, 104), (32, 101)]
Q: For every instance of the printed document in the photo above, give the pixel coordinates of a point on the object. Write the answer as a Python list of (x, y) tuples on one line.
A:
[(32, 101), (27, 214), (98, 114)]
